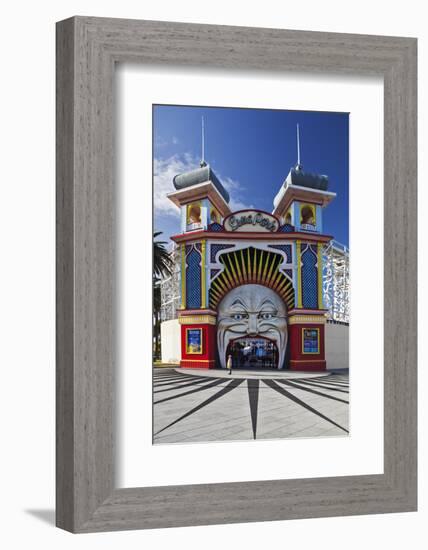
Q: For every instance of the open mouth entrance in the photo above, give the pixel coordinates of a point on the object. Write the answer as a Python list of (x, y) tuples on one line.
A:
[(257, 353)]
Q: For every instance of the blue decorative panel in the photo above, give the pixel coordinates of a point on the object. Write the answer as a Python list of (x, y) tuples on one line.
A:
[(216, 248), (286, 248), (286, 228), (289, 272), (215, 227), (193, 279), (309, 279), (214, 272)]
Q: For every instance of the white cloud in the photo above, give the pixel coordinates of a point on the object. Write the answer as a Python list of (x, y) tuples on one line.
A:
[(237, 194), (160, 142), (166, 169)]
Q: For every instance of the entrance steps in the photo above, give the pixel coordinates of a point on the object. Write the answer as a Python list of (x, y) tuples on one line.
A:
[(253, 373)]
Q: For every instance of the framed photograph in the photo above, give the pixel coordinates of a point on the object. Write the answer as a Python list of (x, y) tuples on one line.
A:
[(194, 340), (236, 274), (311, 340), (254, 279)]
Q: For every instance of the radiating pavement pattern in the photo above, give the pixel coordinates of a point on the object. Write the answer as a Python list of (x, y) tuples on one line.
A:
[(215, 407)]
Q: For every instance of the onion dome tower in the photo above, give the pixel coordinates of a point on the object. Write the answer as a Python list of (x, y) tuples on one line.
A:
[(201, 197), (203, 204), (299, 204), (302, 197)]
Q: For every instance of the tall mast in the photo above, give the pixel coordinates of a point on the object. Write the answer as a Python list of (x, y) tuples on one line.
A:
[(298, 145), (203, 140)]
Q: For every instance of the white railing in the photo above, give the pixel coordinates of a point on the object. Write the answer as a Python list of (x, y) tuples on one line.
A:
[(336, 281), (193, 226), (308, 227)]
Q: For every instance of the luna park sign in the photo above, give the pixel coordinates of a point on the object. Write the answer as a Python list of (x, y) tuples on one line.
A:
[(251, 221)]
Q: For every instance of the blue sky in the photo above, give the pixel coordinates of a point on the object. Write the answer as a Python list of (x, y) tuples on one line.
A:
[(251, 151)]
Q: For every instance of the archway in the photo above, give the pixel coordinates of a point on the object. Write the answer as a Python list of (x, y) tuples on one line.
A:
[(252, 266), (253, 353), (251, 313)]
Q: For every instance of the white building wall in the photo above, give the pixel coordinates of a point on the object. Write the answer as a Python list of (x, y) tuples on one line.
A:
[(170, 338), (337, 346)]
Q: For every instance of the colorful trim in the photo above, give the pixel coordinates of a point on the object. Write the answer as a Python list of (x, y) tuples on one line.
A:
[(194, 276), (204, 274), (320, 282), (252, 236), (299, 274), (183, 276), (197, 320), (309, 273), (309, 319)]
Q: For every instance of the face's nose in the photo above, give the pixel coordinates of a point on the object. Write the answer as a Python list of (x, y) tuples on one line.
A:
[(252, 324)]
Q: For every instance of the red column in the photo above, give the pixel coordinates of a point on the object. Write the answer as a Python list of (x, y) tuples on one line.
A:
[(205, 358), (306, 361)]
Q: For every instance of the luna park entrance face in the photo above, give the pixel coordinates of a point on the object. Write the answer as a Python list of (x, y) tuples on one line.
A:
[(257, 353)]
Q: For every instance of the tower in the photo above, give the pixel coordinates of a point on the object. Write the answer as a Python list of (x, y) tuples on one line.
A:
[(299, 205), (203, 204)]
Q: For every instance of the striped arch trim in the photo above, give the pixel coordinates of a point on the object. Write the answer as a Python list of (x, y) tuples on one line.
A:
[(251, 266)]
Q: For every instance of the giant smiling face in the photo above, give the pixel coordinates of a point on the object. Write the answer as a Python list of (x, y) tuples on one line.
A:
[(250, 311)]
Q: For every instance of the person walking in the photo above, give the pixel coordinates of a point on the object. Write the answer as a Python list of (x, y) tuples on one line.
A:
[(229, 363)]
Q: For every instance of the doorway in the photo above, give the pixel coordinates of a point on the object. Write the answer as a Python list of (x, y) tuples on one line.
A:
[(253, 353)]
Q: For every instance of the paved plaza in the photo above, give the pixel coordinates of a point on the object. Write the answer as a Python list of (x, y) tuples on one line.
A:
[(211, 405)]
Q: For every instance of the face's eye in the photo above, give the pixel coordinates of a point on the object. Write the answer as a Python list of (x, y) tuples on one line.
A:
[(239, 316), (266, 315)]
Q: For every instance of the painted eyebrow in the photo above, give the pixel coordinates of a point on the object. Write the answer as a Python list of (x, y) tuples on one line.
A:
[(268, 302), (238, 302)]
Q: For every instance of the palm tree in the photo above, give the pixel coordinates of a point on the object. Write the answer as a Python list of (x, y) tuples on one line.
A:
[(162, 261), (163, 266)]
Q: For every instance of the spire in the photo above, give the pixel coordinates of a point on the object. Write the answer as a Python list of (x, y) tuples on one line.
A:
[(203, 163), (298, 165)]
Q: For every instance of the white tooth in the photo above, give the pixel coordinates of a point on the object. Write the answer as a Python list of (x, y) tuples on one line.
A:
[(223, 339)]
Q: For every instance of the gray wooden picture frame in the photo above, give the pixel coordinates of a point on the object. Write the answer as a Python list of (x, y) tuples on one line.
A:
[(87, 50)]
